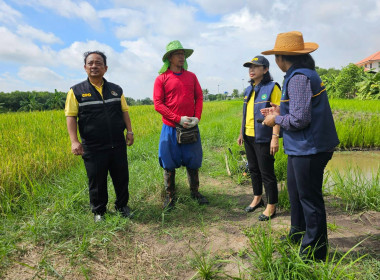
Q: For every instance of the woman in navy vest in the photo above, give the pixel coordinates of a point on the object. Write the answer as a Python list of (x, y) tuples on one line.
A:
[(309, 140), (260, 142)]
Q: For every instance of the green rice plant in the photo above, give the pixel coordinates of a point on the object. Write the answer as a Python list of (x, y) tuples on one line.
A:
[(206, 266), (333, 226), (356, 191), (353, 105), (283, 197), (357, 131)]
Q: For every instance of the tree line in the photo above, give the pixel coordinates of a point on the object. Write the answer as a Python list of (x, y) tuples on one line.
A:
[(26, 101), (349, 82)]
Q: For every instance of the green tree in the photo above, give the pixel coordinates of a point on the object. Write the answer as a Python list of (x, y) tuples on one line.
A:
[(56, 101), (211, 97), (130, 101), (30, 103), (205, 93), (147, 101), (345, 84), (235, 93), (369, 88), (327, 72)]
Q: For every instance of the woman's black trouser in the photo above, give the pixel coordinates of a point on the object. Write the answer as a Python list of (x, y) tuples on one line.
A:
[(261, 168), (98, 164), (308, 214)]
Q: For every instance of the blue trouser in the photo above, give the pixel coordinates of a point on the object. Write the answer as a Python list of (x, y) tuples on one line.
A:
[(308, 214), (172, 155)]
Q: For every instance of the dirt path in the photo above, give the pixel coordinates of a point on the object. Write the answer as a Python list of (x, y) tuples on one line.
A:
[(150, 251)]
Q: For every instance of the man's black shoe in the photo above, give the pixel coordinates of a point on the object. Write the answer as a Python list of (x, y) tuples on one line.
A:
[(294, 238), (202, 200), (125, 212), (169, 203)]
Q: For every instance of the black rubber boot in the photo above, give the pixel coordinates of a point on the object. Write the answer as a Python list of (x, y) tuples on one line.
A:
[(169, 182), (193, 177)]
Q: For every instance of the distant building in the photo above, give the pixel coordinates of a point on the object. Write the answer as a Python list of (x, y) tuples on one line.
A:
[(371, 63)]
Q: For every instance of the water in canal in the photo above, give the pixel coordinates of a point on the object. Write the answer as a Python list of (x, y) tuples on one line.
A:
[(368, 162)]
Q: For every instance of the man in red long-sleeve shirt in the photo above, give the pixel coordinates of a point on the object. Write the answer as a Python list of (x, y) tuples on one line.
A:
[(178, 98)]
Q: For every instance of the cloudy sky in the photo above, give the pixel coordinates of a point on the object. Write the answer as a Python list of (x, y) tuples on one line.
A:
[(42, 41)]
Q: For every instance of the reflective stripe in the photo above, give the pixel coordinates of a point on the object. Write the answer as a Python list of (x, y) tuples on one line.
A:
[(262, 102), (315, 95), (100, 102), (319, 92)]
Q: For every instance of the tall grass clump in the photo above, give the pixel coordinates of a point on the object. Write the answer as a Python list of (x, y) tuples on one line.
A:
[(271, 258), (356, 191)]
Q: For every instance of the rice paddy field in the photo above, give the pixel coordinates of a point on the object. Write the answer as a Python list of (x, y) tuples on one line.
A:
[(44, 200)]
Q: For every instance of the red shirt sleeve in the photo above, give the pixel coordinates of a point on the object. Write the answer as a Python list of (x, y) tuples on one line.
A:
[(159, 101), (198, 96)]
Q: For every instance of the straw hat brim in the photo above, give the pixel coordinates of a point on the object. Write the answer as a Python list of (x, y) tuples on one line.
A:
[(308, 48), (188, 52)]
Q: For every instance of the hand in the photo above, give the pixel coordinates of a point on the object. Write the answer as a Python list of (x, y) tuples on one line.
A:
[(77, 149), (193, 122), (274, 145), (129, 138), (240, 140), (269, 120), (184, 121), (274, 110)]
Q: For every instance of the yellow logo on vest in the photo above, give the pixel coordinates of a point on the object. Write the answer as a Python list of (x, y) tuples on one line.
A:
[(86, 94)]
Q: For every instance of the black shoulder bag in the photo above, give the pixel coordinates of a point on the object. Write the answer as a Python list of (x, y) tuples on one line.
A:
[(187, 135)]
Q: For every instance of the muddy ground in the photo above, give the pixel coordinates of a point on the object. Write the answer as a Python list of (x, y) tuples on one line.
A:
[(149, 251)]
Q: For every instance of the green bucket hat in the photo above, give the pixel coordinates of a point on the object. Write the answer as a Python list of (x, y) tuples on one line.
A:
[(171, 47)]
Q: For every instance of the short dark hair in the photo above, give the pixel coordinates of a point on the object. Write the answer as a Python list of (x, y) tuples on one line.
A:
[(300, 61), (86, 54)]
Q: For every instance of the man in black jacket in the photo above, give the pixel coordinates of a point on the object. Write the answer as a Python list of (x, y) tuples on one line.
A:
[(99, 110)]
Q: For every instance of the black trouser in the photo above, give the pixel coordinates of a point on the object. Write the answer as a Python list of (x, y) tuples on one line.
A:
[(261, 167), (308, 214), (98, 164)]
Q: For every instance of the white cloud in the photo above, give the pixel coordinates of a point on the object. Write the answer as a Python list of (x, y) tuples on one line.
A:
[(221, 6), (68, 9), (33, 33), (231, 33), (17, 49), (38, 74), (8, 15)]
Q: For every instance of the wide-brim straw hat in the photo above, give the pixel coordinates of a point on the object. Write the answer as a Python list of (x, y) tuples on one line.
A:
[(174, 46), (291, 43)]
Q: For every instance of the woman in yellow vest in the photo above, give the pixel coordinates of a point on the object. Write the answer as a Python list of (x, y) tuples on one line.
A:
[(260, 142)]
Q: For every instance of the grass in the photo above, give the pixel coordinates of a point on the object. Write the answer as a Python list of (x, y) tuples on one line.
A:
[(44, 198), (355, 191), (270, 258)]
